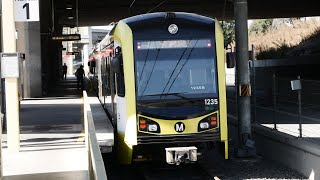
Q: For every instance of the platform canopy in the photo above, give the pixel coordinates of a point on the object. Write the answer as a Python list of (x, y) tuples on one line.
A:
[(101, 12)]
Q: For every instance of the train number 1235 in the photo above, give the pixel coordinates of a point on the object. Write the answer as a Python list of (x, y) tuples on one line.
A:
[(210, 101)]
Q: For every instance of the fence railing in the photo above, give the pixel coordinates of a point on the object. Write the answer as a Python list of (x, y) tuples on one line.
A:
[(275, 105), (95, 161)]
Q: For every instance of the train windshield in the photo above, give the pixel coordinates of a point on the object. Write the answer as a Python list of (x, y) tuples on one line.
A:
[(170, 69)]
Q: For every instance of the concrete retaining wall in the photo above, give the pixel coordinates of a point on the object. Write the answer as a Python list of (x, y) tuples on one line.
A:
[(296, 153)]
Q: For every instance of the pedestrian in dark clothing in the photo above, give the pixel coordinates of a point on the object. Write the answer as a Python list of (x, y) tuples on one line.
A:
[(79, 74), (64, 71)]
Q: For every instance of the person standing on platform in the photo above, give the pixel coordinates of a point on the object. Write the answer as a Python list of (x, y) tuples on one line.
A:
[(79, 74), (64, 71)]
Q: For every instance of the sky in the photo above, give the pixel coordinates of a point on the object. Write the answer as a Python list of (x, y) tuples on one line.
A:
[(249, 22)]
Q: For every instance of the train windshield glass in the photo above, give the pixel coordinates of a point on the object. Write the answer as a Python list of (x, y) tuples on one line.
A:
[(175, 68)]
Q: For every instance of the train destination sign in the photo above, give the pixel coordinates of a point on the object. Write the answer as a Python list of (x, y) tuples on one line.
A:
[(67, 37), (72, 53)]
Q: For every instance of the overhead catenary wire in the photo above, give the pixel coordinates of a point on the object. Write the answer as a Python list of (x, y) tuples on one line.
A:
[(132, 3), (157, 6), (144, 64)]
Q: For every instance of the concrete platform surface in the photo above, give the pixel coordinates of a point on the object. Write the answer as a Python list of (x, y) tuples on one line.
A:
[(103, 126), (50, 142)]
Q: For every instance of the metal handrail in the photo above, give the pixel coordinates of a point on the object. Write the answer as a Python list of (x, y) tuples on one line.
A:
[(96, 167), (1, 161)]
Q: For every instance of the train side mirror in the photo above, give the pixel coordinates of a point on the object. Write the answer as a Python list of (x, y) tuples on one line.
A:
[(116, 63), (230, 60)]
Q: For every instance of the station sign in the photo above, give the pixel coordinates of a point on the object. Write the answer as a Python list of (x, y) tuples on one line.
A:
[(26, 10), (73, 53), (66, 37), (296, 85)]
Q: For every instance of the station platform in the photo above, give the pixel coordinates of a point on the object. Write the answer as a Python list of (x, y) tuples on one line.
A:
[(52, 137)]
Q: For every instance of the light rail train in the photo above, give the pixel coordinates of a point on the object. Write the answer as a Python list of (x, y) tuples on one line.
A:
[(161, 78)]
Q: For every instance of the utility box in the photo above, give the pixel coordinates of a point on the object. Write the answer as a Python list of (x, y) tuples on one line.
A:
[(11, 65)]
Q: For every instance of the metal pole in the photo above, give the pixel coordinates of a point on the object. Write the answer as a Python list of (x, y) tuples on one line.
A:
[(274, 101), (235, 87), (299, 115), (244, 111), (1, 159), (254, 85), (11, 84)]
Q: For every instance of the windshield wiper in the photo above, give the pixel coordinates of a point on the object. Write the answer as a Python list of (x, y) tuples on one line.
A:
[(144, 64), (166, 94), (186, 61), (155, 61), (174, 69), (180, 95)]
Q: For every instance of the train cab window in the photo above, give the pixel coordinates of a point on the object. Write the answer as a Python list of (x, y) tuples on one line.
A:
[(120, 85), (185, 67)]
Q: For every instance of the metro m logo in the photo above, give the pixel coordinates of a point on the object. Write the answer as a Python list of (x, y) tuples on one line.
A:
[(179, 127)]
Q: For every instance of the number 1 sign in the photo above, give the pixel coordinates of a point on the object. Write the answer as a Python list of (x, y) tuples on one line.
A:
[(26, 10)]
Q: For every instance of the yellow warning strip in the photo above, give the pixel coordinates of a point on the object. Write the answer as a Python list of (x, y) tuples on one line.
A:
[(245, 90)]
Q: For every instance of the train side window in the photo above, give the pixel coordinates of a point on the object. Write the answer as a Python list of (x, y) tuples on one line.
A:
[(117, 65), (108, 77)]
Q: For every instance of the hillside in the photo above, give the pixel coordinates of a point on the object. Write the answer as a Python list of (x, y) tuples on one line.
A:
[(296, 39)]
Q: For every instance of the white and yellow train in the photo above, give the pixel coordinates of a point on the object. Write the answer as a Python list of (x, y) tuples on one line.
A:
[(161, 78)]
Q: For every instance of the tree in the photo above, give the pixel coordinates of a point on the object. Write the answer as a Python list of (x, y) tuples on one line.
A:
[(228, 32), (260, 26)]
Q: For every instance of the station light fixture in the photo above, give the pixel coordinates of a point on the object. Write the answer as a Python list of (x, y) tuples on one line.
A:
[(68, 6), (70, 17)]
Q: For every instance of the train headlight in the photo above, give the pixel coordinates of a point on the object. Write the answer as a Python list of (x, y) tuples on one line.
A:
[(152, 128), (204, 125), (209, 122)]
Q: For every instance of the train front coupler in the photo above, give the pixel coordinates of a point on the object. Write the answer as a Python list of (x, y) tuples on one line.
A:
[(178, 155)]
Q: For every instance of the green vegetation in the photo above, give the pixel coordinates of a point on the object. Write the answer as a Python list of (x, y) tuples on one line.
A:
[(228, 32), (260, 26)]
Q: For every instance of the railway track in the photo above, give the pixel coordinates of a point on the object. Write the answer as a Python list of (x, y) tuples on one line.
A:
[(182, 172), (212, 167)]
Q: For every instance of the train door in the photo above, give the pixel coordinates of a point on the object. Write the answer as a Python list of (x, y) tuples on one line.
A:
[(119, 99)]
